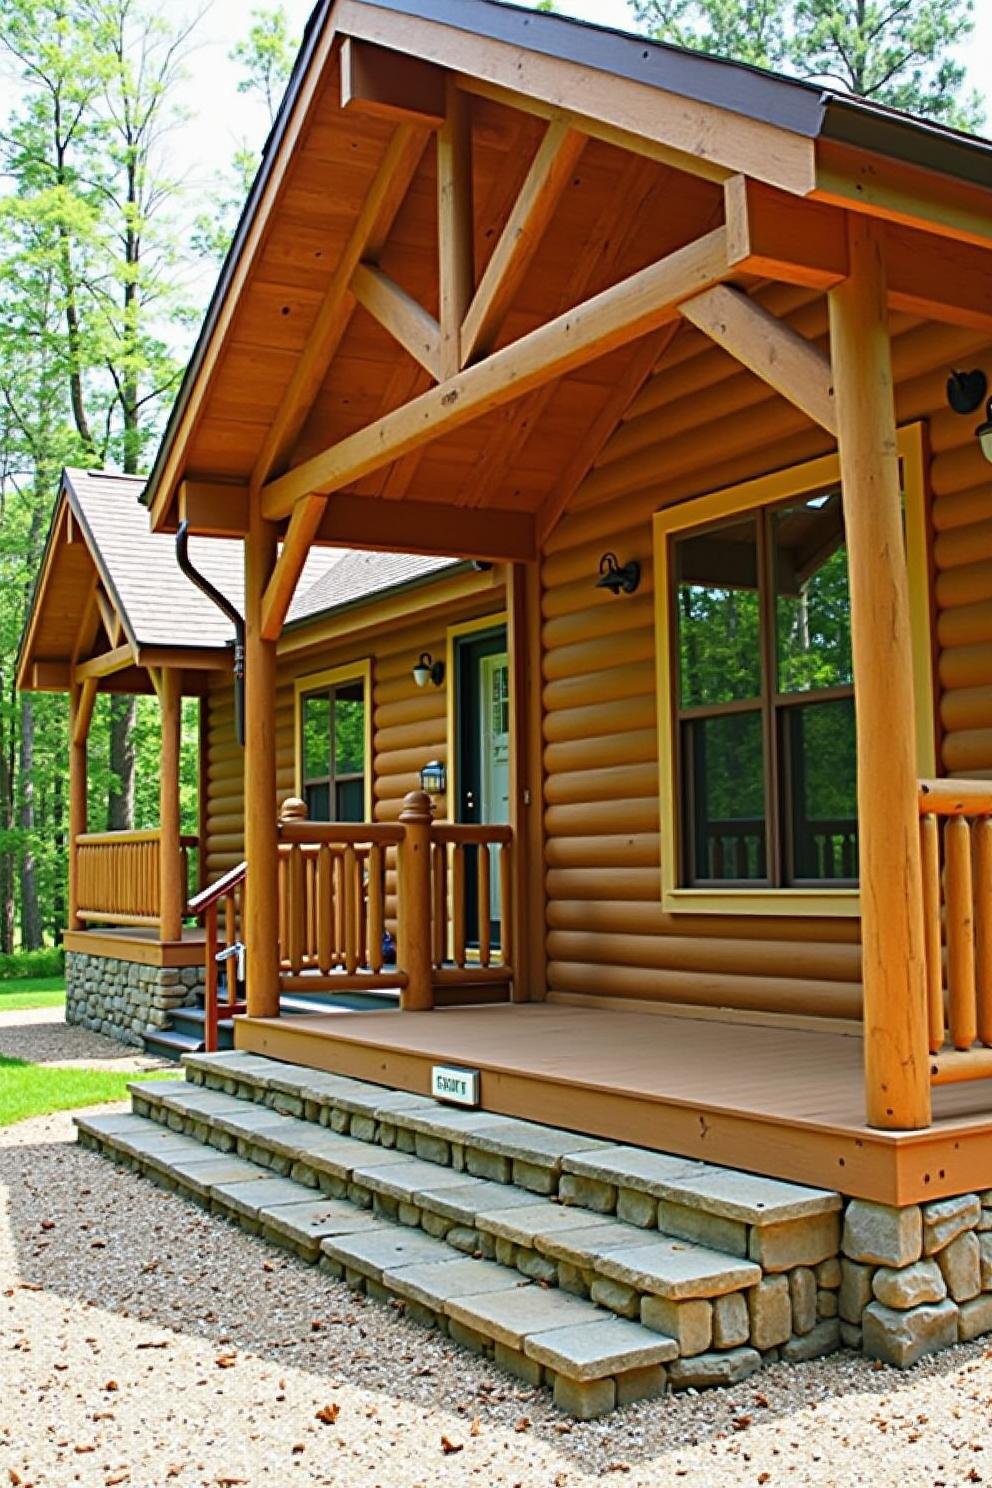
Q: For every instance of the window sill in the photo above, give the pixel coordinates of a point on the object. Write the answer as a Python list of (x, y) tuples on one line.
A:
[(811, 903)]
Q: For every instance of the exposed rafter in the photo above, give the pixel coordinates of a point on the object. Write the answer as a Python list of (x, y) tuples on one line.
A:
[(632, 308), (405, 320), (455, 226), (770, 349), (368, 236), (533, 210)]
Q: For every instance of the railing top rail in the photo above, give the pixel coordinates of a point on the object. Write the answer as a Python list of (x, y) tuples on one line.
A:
[(469, 832), (117, 839), (216, 891), (309, 834), (955, 798)]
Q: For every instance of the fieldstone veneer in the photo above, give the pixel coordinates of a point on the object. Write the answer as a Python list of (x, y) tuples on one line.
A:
[(123, 998)]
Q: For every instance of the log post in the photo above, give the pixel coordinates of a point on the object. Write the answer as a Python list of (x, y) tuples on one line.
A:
[(897, 1084), (260, 928), (414, 903), (172, 901), (77, 801)]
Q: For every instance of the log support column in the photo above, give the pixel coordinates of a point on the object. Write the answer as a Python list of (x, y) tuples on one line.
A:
[(172, 887), (414, 938), (897, 1086), (78, 734), (260, 929)]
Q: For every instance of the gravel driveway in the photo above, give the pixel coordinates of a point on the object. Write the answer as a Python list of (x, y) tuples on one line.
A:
[(143, 1343), (42, 1036)]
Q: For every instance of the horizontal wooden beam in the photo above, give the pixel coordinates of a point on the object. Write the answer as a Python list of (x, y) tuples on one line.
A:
[(48, 676), (490, 534), (797, 241), (532, 211), (186, 658), (285, 576), (391, 85), (399, 313), (214, 508), (627, 310), (105, 663), (770, 349)]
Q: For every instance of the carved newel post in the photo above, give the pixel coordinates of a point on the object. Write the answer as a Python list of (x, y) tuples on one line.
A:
[(414, 906)]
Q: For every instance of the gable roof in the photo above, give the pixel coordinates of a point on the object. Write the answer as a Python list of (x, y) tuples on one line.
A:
[(681, 104), (157, 604)]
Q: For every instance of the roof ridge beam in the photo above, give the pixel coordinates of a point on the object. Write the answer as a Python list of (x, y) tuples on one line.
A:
[(635, 306)]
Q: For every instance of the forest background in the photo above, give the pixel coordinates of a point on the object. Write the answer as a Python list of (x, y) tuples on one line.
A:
[(129, 135)]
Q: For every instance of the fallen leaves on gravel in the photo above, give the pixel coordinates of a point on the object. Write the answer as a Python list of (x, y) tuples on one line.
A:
[(448, 1446), (226, 1361), (329, 1413)]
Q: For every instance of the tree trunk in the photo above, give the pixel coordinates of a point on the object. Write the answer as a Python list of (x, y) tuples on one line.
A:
[(31, 938), (120, 798)]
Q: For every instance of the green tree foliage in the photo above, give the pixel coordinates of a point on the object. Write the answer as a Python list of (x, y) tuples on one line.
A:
[(897, 52)]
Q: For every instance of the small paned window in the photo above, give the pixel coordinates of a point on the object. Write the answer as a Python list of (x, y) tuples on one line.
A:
[(766, 737), (333, 763)]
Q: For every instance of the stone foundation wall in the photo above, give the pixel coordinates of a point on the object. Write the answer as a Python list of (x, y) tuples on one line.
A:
[(916, 1280), (123, 998)]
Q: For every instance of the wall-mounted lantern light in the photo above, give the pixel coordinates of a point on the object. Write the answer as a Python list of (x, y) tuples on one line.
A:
[(618, 579), (984, 432), (966, 390), (428, 670), (434, 778)]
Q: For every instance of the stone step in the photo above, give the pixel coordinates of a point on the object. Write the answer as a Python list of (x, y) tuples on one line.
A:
[(591, 1360), (710, 1301), (171, 1043), (777, 1224)]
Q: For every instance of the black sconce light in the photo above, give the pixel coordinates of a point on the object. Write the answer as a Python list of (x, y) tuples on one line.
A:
[(619, 580), (428, 670), (434, 778), (966, 391)]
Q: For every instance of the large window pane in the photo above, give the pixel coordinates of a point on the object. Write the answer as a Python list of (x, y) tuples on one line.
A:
[(318, 799), (812, 598), (822, 767), (349, 730), (350, 800), (316, 736), (726, 797), (718, 615)]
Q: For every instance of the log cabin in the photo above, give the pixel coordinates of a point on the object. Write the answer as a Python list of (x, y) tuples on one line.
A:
[(698, 357)]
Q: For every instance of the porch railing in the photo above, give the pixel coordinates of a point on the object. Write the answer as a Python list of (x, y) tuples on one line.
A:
[(119, 876), (372, 906), (956, 842)]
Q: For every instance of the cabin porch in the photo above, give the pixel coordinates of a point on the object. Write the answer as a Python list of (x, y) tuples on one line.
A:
[(784, 1100)]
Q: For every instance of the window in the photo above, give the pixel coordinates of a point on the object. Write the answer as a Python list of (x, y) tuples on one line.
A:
[(757, 745), (332, 720), (766, 704)]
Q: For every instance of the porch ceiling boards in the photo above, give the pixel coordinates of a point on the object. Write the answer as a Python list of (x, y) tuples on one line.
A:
[(788, 1102)]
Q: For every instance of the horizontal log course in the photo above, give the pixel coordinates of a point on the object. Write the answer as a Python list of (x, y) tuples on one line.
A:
[(758, 994), (798, 934), (797, 962)]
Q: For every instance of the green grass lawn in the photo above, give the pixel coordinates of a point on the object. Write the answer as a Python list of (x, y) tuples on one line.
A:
[(31, 992), (38, 1089)]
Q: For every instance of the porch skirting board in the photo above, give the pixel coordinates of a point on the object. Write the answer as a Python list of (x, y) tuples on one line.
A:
[(123, 999)]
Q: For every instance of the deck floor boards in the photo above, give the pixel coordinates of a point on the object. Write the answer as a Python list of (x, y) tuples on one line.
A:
[(697, 1086)]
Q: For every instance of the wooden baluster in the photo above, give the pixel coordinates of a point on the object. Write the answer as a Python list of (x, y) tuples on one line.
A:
[(311, 881), (325, 910), (210, 979), (506, 904), (230, 938), (458, 903), (741, 856), (930, 852), (439, 912), (296, 909), (982, 832), (716, 849), (376, 912), (338, 908), (960, 934), (350, 910), (283, 920), (362, 911), (485, 910)]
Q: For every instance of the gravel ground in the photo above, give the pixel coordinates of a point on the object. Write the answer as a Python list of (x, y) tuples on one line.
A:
[(42, 1036), (143, 1343)]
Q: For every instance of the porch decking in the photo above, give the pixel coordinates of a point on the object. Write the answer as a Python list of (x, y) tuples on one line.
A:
[(788, 1102)]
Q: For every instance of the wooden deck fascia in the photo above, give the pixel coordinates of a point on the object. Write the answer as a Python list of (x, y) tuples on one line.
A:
[(142, 947), (898, 1168)]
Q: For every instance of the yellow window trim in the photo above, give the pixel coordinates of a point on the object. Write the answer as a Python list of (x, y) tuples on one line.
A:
[(767, 490), (352, 671), (452, 635)]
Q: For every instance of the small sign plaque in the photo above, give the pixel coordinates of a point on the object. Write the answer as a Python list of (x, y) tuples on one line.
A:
[(459, 1087)]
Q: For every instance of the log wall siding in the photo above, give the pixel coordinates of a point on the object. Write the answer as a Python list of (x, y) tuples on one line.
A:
[(409, 725), (701, 424)]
